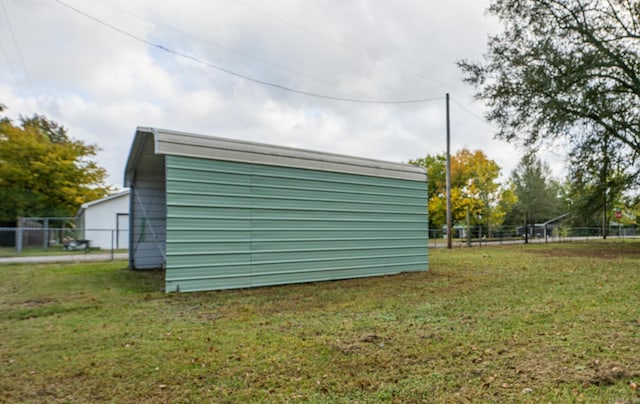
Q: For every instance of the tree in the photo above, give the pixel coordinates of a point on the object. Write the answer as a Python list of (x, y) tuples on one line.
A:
[(52, 130), (563, 68), (43, 172), (537, 198), (436, 175), (474, 188), (597, 180)]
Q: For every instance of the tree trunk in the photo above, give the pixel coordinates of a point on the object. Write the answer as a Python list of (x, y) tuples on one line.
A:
[(604, 218)]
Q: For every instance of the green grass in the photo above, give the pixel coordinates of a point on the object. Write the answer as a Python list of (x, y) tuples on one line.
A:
[(538, 323)]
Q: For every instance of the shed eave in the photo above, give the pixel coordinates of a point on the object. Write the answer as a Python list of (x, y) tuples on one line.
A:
[(167, 142), (135, 152)]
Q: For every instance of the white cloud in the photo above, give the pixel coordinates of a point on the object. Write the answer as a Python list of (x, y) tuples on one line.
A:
[(101, 83)]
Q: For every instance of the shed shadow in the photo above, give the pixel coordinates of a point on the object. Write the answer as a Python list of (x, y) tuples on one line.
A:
[(135, 281)]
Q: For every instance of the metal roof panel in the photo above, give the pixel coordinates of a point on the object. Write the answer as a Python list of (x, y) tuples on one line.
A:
[(167, 142)]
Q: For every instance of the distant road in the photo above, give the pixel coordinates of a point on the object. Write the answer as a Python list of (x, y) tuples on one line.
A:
[(64, 258)]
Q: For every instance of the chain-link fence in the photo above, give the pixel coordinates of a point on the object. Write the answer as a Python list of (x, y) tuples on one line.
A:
[(34, 241), (478, 236)]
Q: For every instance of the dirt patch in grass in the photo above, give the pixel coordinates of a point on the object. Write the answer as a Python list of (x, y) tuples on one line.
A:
[(601, 250), (35, 308), (607, 374), (32, 303), (538, 370)]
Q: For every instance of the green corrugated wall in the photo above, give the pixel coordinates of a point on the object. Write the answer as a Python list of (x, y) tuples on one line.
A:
[(233, 225)]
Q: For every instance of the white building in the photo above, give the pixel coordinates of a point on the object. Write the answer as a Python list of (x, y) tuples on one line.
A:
[(105, 222)]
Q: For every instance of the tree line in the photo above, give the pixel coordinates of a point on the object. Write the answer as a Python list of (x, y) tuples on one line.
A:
[(560, 72), (528, 196), (46, 173)]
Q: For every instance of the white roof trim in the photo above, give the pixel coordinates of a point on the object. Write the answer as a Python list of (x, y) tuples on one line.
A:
[(105, 199)]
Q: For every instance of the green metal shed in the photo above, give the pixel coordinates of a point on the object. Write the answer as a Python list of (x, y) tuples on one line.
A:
[(219, 213)]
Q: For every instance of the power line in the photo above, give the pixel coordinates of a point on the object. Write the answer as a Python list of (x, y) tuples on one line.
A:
[(15, 44), (334, 41), (13, 73), (226, 48), (468, 111), (240, 75)]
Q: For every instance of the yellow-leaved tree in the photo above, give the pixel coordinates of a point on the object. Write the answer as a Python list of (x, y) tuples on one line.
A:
[(43, 172), (475, 189)]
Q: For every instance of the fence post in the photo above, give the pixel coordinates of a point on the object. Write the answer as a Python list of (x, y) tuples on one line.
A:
[(112, 246), (45, 234), (18, 241)]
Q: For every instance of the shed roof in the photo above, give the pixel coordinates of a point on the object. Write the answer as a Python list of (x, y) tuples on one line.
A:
[(167, 142)]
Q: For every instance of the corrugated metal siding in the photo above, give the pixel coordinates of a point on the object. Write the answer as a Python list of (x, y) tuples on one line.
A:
[(148, 234), (233, 224)]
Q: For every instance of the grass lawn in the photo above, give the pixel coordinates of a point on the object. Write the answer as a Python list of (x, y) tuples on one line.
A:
[(537, 323)]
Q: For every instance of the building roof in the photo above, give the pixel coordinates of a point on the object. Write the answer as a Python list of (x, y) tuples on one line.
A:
[(167, 142), (122, 193), (84, 206)]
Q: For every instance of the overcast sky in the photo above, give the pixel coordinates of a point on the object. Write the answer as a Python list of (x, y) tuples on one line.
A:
[(101, 82)]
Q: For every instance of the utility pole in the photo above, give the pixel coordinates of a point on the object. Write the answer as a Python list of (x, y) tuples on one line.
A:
[(448, 174), (604, 180)]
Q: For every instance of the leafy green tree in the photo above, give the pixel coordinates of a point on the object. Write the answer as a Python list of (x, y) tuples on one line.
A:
[(436, 175), (597, 181), (630, 209), (43, 172), (538, 198), (563, 68), (506, 203)]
